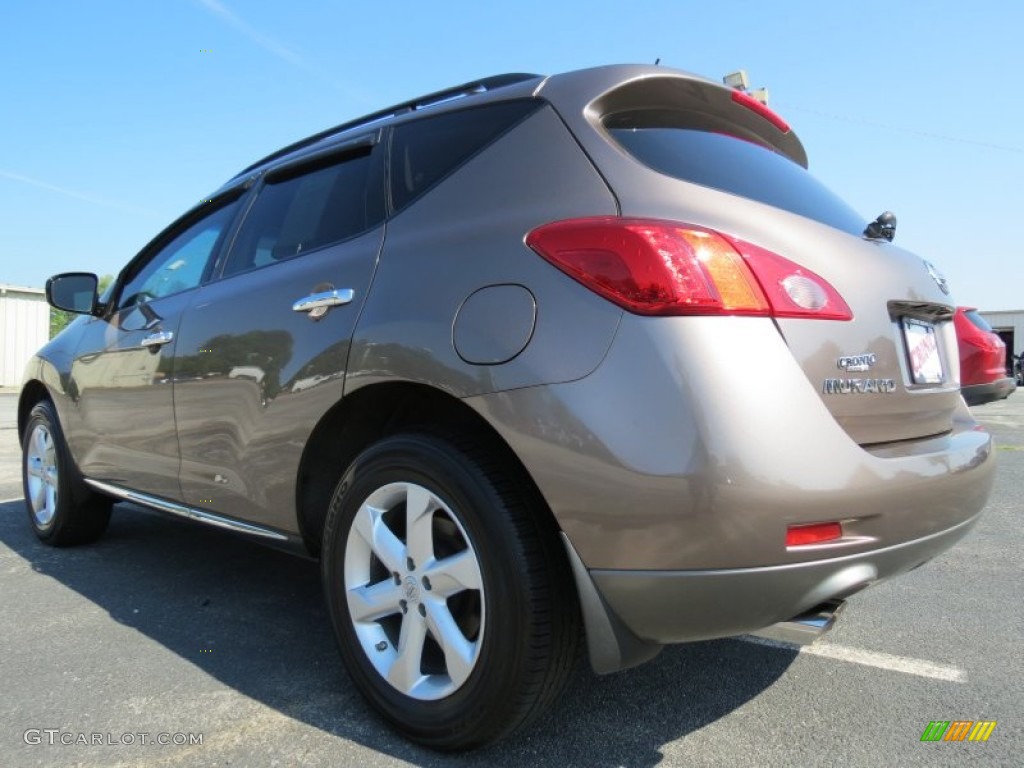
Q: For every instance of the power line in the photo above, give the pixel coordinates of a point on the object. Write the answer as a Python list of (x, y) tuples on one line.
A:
[(900, 129)]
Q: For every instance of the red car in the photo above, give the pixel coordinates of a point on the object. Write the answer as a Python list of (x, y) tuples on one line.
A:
[(983, 376)]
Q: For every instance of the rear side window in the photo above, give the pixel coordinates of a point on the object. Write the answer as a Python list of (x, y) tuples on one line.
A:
[(297, 213), (425, 151), (732, 165)]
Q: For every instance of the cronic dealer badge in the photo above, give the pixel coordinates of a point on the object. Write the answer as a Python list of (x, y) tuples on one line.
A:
[(855, 363)]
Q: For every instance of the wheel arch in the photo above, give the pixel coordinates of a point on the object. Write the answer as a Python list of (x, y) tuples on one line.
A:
[(376, 411), (32, 393)]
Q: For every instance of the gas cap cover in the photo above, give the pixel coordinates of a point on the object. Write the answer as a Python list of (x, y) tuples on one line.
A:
[(494, 324)]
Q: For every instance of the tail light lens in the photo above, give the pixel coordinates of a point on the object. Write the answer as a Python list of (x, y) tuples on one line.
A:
[(655, 267), (815, 533)]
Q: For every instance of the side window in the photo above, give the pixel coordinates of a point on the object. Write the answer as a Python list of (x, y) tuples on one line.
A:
[(425, 151), (296, 213), (180, 264)]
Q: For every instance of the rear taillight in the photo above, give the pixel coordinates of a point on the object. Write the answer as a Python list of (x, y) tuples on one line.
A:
[(655, 267)]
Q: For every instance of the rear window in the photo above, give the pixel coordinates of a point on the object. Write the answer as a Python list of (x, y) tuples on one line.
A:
[(978, 320), (732, 165)]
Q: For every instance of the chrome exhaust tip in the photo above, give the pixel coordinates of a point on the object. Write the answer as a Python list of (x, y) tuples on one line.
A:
[(807, 627)]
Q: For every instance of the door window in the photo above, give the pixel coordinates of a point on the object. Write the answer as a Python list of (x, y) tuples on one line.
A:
[(297, 213), (180, 264)]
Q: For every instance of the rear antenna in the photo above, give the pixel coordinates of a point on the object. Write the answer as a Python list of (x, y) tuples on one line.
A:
[(657, 61)]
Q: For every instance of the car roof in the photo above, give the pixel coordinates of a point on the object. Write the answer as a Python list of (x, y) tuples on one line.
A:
[(571, 91)]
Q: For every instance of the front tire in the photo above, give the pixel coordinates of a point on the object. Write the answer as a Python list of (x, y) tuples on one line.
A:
[(451, 599), (62, 510)]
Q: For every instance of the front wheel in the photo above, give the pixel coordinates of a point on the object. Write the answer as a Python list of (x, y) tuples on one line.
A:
[(450, 598), (61, 509)]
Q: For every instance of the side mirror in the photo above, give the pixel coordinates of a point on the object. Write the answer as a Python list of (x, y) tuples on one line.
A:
[(73, 292)]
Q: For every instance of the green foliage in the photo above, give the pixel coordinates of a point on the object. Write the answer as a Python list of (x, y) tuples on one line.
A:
[(59, 319)]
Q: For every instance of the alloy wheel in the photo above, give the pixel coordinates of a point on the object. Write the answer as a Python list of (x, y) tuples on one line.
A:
[(42, 475), (414, 591)]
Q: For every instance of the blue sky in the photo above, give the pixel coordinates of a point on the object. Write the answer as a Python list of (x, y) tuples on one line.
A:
[(117, 116)]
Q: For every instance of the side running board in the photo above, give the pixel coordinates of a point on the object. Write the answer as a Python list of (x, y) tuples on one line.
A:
[(174, 508)]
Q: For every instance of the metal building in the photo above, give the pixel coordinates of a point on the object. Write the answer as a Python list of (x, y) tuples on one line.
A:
[(1009, 324), (24, 328)]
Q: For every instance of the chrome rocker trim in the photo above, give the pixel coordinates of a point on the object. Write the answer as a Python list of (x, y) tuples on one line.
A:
[(185, 511)]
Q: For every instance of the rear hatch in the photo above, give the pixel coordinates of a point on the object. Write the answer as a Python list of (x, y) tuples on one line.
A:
[(680, 148)]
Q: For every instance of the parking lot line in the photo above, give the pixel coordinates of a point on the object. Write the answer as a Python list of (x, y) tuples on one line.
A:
[(904, 664), (10, 501)]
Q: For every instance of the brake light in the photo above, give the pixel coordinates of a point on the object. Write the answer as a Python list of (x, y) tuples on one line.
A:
[(655, 267), (815, 533), (748, 101)]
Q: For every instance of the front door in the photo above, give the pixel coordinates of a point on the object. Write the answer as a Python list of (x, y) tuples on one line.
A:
[(122, 371)]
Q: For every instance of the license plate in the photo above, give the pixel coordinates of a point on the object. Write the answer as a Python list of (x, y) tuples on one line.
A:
[(923, 351)]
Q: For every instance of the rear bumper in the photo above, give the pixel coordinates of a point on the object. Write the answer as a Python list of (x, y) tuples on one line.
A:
[(674, 476), (665, 607), (667, 458), (979, 394)]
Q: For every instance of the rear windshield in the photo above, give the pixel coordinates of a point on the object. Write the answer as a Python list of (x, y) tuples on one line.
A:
[(978, 320), (733, 165)]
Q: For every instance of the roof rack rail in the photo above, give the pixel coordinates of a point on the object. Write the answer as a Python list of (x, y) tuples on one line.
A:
[(474, 86)]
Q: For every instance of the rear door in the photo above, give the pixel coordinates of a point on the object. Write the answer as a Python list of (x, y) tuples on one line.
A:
[(262, 352)]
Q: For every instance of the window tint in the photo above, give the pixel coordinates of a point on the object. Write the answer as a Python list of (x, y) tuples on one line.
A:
[(296, 214), (425, 151), (180, 264), (733, 165), (978, 321)]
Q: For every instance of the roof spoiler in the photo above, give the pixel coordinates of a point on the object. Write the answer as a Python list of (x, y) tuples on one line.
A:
[(707, 105)]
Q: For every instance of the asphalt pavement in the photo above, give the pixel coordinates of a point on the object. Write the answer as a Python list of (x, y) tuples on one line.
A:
[(169, 631)]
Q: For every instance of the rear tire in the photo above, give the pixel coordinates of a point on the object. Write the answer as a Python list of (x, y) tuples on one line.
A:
[(62, 510), (451, 598)]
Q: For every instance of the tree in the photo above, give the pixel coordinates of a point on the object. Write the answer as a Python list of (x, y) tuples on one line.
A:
[(59, 319)]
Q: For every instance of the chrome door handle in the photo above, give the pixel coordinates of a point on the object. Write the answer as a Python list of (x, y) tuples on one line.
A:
[(325, 300), (157, 339)]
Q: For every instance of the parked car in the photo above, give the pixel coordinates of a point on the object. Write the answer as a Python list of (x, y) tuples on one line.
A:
[(983, 376), (528, 296)]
